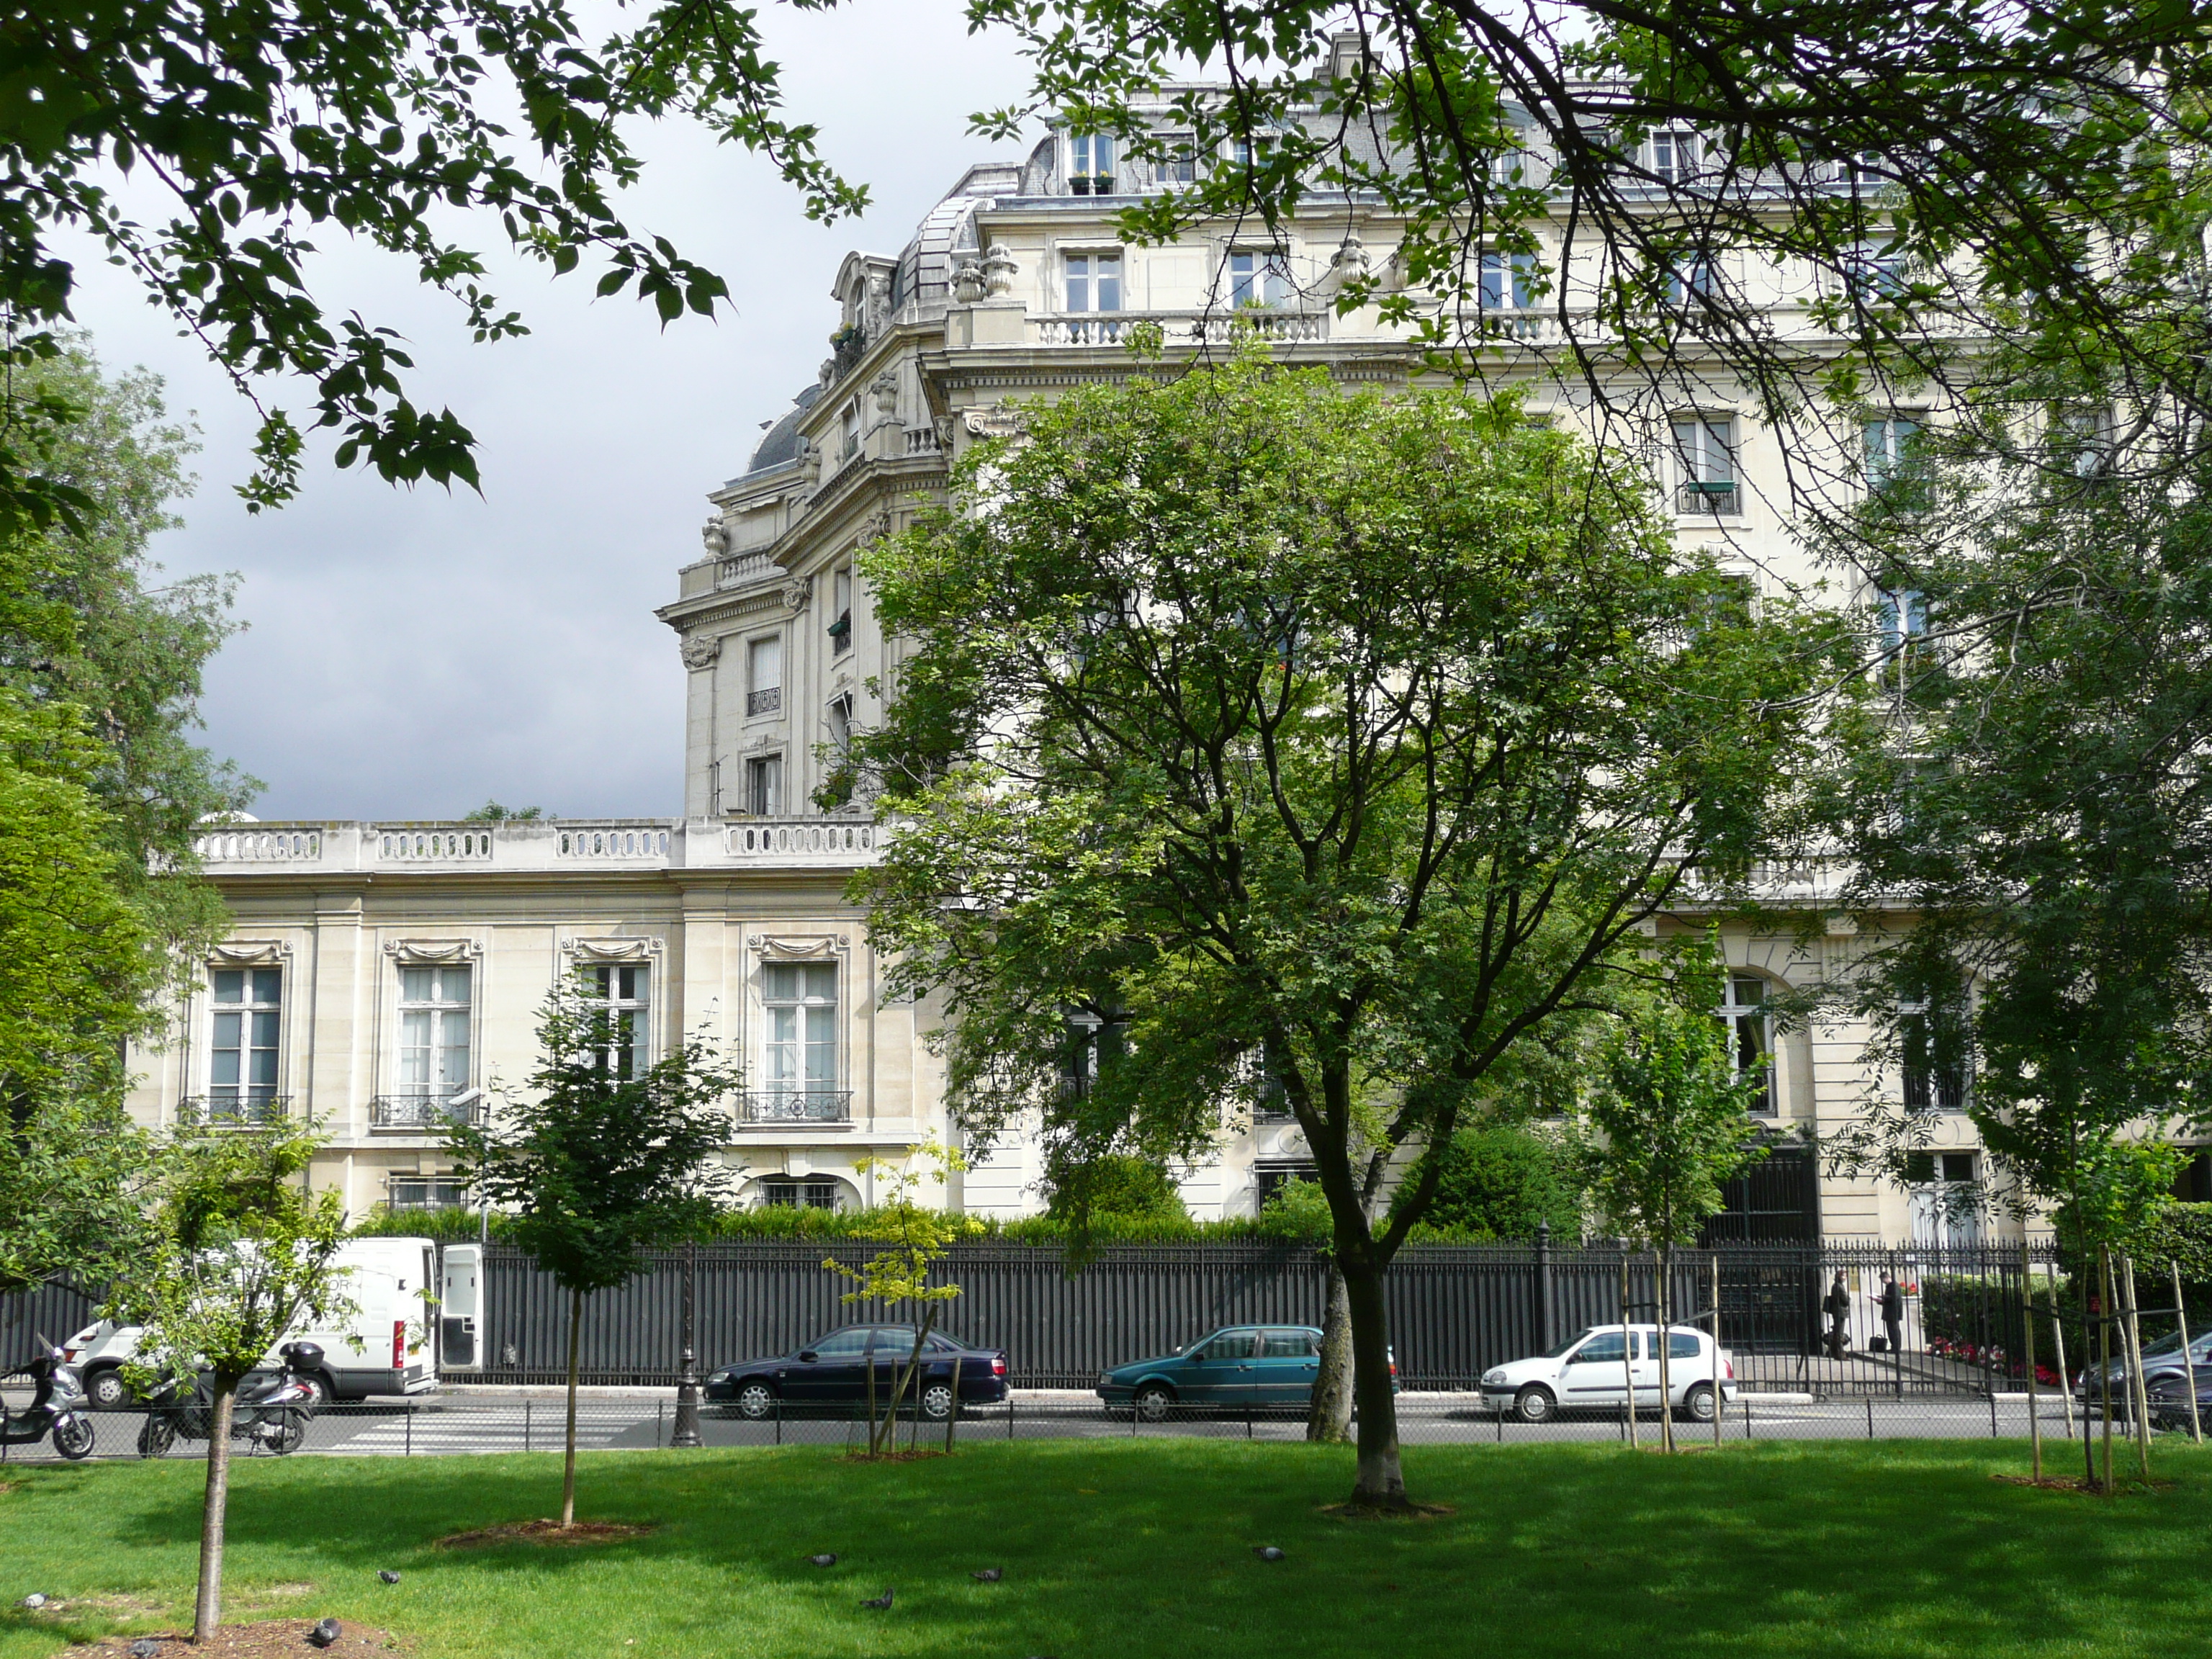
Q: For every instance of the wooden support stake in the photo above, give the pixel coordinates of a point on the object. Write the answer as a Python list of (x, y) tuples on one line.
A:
[(2138, 1389), (2065, 1386), (2188, 1364), (2027, 1329)]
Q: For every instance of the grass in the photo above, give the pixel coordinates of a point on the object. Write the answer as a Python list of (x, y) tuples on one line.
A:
[(1129, 1550)]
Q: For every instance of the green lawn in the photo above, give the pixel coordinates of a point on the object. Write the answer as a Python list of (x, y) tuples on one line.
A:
[(1114, 1550)]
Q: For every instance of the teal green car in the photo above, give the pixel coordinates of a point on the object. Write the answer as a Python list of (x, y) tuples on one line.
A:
[(1244, 1366)]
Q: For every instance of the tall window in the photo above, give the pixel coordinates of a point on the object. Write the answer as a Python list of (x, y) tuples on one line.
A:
[(1259, 279), (841, 748), (1704, 452), (1874, 272), (1508, 281), (1180, 164), (850, 431), (1687, 278), (433, 1032), (1094, 282), (623, 990), (1091, 163), (764, 675), (841, 608), (1903, 615), (1250, 154), (1674, 157), (1888, 445), (764, 786), (801, 999), (249, 1006), (1751, 1038), (1935, 1074)]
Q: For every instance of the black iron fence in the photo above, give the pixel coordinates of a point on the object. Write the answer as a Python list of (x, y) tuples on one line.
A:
[(1455, 1310)]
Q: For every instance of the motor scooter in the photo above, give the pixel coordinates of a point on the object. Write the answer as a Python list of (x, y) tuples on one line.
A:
[(271, 1413), (57, 1407)]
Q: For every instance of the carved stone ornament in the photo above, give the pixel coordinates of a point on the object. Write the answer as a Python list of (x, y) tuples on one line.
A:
[(433, 953), (968, 283), (716, 536), (879, 301), (885, 386), (878, 526), (809, 947), (943, 425), (613, 949), (996, 421), (249, 952), (796, 592), (998, 268), (701, 650), (1351, 263)]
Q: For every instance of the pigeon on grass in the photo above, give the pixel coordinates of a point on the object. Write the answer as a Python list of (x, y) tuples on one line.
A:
[(821, 1560), (1267, 1552), (387, 1575), (34, 1600), (881, 1603), (144, 1648), (325, 1632), (989, 1575)]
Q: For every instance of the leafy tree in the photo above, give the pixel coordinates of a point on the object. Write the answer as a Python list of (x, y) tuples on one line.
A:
[(239, 1254), (1256, 717), (264, 126), (918, 1236), (1503, 1181), (1110, 1184), (2024, 779), (492, 812), (1933, 176), (600, 1157), (83, 966), (1667, 1126)]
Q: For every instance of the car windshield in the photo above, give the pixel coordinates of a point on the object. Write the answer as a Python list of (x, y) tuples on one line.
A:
[(1555, 1353), (2170, 1343)]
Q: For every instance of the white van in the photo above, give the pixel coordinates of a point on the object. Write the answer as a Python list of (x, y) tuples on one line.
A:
[(385, 1279)]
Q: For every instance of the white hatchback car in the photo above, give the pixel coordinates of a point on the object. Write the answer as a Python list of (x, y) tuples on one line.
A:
[(1593, 1369)]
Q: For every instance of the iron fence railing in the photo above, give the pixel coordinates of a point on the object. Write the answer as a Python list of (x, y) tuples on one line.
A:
[(793, 1106), (236, 1109)]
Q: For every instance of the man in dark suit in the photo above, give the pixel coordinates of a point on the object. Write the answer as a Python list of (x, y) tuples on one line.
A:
[(1892, 1312)]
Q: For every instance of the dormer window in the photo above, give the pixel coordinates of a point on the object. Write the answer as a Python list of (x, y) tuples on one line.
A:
[(1091, 164), (1179, 166), (1674, 157)]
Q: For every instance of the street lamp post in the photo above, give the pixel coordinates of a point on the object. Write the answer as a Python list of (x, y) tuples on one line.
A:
[(687, 1375)]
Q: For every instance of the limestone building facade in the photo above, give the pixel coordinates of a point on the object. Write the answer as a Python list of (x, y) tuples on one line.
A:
[(381, 973)]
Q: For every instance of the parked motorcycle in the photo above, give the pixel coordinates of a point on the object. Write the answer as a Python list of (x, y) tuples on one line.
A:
[(271, 1413), (57, 1407)]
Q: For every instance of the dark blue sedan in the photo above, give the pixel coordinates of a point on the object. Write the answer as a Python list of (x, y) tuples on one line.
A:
[(833, 1371)]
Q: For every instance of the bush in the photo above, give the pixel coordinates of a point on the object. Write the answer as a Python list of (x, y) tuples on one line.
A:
[(1499, 1184), (1113, 1185)]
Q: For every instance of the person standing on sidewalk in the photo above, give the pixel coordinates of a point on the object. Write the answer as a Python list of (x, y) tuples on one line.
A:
[(1892, 1312), (1837, 1307)]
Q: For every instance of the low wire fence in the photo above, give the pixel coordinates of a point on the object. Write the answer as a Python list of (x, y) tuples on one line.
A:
[(440, 1428)]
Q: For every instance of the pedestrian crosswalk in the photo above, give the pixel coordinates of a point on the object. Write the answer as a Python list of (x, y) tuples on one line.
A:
[(440, 1434)]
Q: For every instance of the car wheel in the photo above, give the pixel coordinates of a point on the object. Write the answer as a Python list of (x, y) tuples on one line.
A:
[(1698, 1402), (755, 1400), (105, 1390), (1534, 1404), (1153, 1402), (937, 1401), (73, 1438)]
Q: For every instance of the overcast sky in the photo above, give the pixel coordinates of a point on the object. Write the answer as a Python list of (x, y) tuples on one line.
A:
[(412, 653)]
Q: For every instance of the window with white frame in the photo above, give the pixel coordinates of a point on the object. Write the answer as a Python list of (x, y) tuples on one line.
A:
[(1259, 278), (1751, 1038), (622, 992), (1685, 277), (1705, 457), (764, 675), (1091, 163), (1094, 282), (839, 719), (849, 427), (425, 1191), (1252, 153), (1179, 165), (1875, 273), (764, 786), (2083, 439), (798, 1192), (433, 1032), (243, 1042), (799, 1063), (1674, 157), (1887, 443), (1508, 281), (1902, 614)]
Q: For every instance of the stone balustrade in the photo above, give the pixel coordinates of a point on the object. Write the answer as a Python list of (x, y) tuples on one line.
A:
[(517, 844)]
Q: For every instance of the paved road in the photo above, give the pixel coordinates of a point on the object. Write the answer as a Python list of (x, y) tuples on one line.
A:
[(450, 1426)]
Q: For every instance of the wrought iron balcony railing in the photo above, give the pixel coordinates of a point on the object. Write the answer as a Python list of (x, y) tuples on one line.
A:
[(1709, 497), (756, 1106), (234, 1109), (418, 1115)]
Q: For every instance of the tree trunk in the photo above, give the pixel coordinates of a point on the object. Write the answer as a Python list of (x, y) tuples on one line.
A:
[(1665, 1259), (568, 1453), (207, 1611), (1381, 1481), (1330, 1417)]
